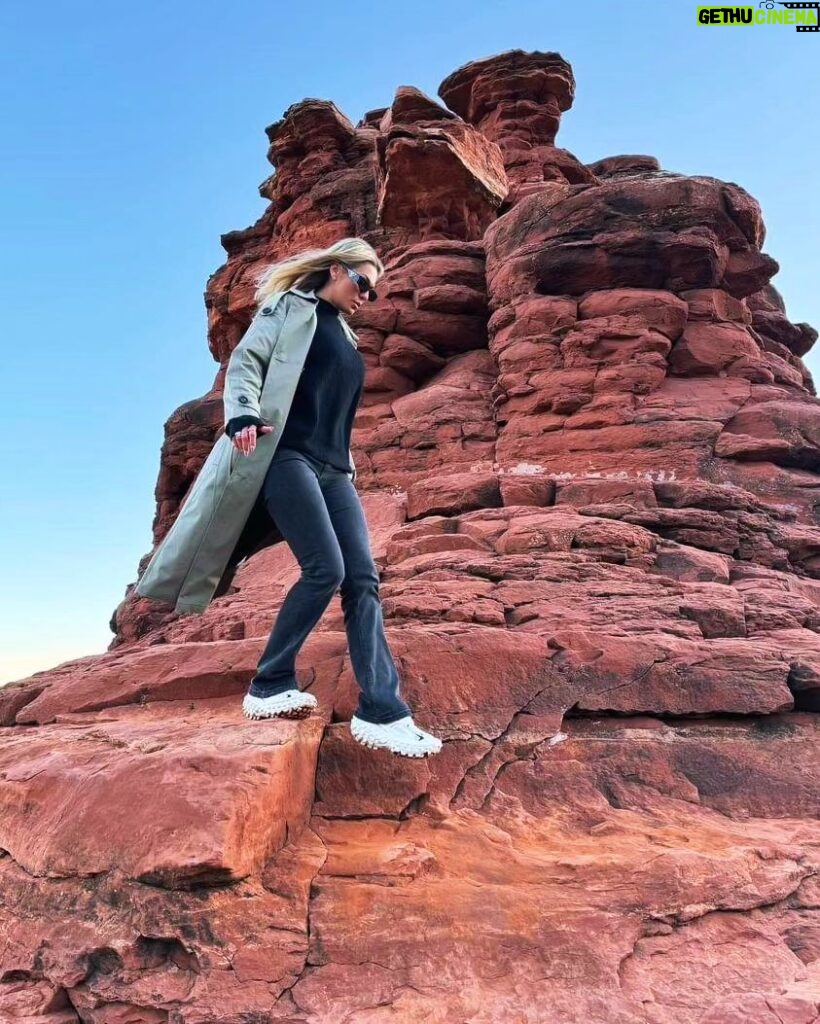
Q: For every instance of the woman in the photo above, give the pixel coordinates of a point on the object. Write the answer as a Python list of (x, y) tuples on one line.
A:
[(308, 491)]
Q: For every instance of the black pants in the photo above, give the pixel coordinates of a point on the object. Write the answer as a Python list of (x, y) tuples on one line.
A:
[(317, 510)]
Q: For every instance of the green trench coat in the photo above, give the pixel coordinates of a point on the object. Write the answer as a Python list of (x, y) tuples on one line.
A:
[(222, 519)]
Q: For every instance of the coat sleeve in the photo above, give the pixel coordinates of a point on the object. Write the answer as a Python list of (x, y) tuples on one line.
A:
[(249, 361)]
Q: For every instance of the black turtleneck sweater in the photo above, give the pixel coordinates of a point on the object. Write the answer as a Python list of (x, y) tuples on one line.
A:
[(327, 395)]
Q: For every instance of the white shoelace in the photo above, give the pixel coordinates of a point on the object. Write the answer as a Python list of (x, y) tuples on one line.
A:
[(409, 727)]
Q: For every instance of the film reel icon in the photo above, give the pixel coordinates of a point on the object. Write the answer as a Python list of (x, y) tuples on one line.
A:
[(815, 6)]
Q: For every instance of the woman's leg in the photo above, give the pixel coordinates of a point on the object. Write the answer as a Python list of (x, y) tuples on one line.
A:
[(293, 497), (370, 656)]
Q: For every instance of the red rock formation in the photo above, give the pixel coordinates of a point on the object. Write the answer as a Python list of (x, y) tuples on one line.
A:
[(517, 101), (438, 176), (588, 454)]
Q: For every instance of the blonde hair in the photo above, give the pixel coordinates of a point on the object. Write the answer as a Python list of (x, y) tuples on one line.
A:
[(310, 269)]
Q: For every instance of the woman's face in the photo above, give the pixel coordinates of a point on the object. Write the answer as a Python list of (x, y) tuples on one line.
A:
[(343, 291)]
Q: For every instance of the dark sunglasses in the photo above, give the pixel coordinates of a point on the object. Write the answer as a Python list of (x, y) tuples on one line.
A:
[(362, 283)]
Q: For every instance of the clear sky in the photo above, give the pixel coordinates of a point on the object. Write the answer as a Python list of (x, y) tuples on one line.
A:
[(134, 136)]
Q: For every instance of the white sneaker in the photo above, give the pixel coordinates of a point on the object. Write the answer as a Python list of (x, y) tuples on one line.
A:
[(290, 704), (401, 737)]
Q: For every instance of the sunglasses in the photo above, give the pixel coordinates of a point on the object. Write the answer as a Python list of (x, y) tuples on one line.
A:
[(364, 286)]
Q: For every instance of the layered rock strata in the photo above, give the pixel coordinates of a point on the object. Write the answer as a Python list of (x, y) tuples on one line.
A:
[(588, 452)]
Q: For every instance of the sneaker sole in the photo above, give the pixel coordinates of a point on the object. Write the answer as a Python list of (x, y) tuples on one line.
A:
[(300, 707), (361, 734)]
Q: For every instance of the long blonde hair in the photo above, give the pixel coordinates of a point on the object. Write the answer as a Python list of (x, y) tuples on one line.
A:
[(310, 269)]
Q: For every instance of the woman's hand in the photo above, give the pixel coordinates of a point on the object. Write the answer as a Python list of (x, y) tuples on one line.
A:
[(245, 440)]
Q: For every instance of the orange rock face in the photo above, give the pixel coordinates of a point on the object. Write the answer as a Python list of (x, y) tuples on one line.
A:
[(589, 455)]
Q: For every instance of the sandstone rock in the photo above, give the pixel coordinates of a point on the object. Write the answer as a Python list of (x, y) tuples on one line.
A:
[(156, 794), (612, 166), (787, 432), (587, 452), (516, 99), (437, 175)]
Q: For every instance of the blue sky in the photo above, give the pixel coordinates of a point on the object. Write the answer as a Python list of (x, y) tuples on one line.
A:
[(134, 136)]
